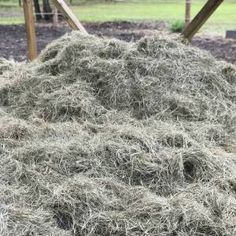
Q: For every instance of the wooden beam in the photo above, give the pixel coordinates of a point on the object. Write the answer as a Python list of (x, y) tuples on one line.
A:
[(55, 17), (231, 34), (30, 29), (187, 12), (69, 16), (192, 28)]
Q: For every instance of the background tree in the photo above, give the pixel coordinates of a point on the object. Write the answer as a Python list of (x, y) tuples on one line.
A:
[(37, 10), (47, 10)]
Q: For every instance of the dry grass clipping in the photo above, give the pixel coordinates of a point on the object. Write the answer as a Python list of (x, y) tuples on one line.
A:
[(103, 137)]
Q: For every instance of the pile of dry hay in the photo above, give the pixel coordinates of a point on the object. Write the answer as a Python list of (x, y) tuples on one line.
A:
[(103, 137)]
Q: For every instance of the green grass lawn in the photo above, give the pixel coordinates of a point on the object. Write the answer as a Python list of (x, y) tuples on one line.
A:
[(224, 18)]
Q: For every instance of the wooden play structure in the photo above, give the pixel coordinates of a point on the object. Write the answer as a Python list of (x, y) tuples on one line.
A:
[(191, 27), (199, 20), (61, 6)]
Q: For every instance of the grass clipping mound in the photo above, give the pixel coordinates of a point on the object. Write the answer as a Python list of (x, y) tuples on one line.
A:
[(103, 137)]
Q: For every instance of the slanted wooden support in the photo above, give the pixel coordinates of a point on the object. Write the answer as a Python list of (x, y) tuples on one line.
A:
[(30, 29), (192, 28), (69, 16)]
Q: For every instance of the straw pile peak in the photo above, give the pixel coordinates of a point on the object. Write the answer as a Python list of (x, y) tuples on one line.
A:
[(104, 137)]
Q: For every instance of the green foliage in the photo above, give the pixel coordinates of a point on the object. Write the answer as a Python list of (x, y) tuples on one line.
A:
[(177, 26)]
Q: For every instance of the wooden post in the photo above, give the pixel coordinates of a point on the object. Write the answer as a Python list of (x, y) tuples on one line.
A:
[(187, 12), (192, 28), (30, 29), (55, 17), (69, 16)]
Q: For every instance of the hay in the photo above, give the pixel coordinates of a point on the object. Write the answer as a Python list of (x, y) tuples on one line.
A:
[(103, 137)]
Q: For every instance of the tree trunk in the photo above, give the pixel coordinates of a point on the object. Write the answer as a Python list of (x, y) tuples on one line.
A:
[(37, 10), (47, 9)]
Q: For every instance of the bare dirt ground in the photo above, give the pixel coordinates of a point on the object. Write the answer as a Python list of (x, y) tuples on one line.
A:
[(13, 38)]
